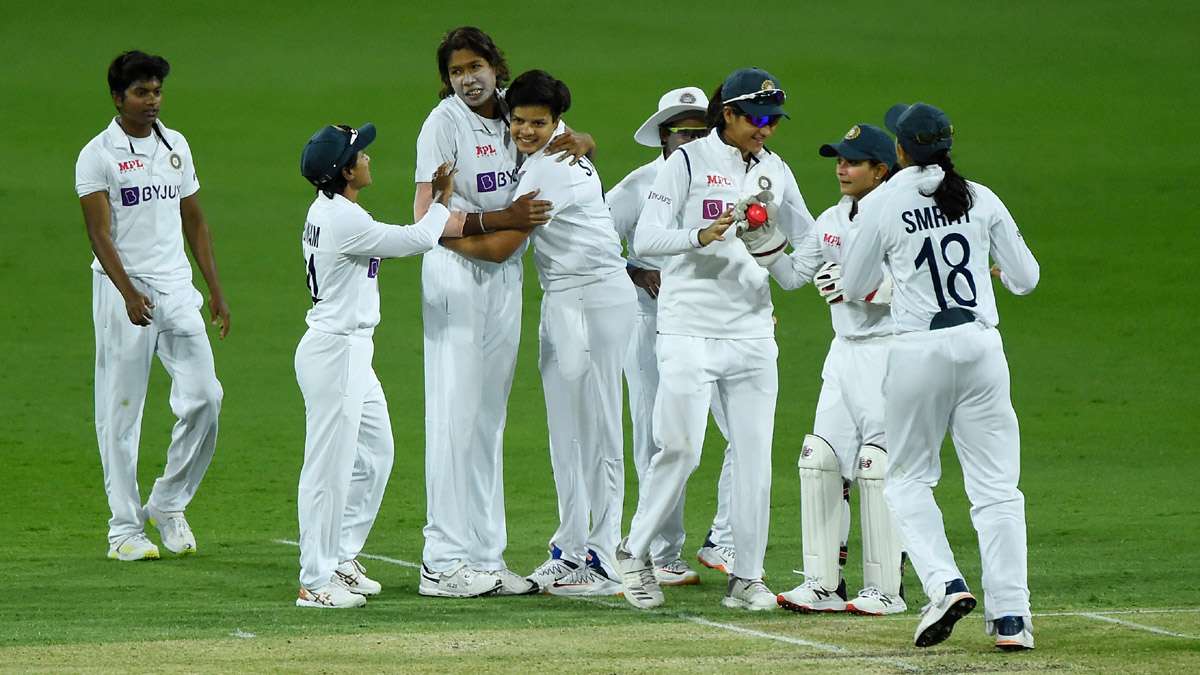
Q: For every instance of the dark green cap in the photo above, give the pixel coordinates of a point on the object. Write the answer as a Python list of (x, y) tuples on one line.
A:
[(863, 141), (754, 91), (922, 129), (326, 153)]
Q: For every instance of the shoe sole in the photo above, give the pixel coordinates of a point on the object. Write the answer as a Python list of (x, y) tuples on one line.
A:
[(939, 630), (805, 609), (718, 567), (851, 608), (317, 605), (443, 594), (734, 603), (533, 589), (693, 580), (1013, 646), (152, 555)]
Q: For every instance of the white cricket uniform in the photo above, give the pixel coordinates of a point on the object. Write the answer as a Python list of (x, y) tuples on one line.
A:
[(347, 433), (145, 179), (955, 377), (587, 315), (715, 327), (625, 201), (471, 312)]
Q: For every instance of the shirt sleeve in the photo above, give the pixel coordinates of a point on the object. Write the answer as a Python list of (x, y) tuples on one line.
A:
[(367, 236), (623, 206), (798, 267), (436, 145), (862, 255), (658, 229), (91, 173), (1019, 270), (190, 184), (794, 218)]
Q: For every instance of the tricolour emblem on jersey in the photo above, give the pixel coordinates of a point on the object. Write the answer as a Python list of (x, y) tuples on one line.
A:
[(485, 182), (176, 160), (853, 133)]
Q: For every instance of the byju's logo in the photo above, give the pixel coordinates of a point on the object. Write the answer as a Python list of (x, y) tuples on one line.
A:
[(130, 196), (485, 182), (712, 208), (373, 268)]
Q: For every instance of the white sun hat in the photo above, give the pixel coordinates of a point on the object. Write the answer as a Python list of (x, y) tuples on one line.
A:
[(672, 103)]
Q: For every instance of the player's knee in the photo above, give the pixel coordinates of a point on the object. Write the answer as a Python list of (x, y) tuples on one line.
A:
[(816, 454), (872, 463)]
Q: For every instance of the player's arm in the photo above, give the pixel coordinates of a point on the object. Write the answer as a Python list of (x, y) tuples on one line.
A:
[(367, 236), (862, 255), (797, 268), (526, 211), (97, 217), (623, 206), (491, 246), (1020, 271), (573, 144), (656, 233), (195, 229)]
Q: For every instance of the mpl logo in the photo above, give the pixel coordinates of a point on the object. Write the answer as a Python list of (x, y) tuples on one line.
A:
[(832, 239), (714, 179), (131, 165), (484, 151), (712, 208), (373, 268)]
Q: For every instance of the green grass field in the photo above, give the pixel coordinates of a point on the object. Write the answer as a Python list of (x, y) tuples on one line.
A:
[(1080, 115)]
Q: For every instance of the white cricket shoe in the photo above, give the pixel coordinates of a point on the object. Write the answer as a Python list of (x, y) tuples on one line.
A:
[(556, 567), (716, 557), (874, 602), (811, 597), (751, 594), (133, 547), (333, 595), (1013, 633), (676, 573), (511, 583), (940, 615), (591, 579), (458, 582), (354, 577), (174, 530), (637, 577)]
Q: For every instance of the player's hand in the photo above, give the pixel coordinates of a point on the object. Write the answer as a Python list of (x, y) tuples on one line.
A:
[(716, 231), (828, 281), (571, 144), (995, 271), (219, 314), (529, 211), (138, 308), (648, 280), (443, 183)]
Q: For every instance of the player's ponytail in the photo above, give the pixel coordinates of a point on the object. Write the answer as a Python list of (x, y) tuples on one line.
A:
[(714, 117), (953, 196)]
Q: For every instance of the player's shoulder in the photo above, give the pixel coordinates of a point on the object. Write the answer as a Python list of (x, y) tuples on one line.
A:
[(983, 193), (446, 113), (174, 137)]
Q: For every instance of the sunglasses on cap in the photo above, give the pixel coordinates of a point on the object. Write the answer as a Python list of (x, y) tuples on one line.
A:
[(693, 133), (761, 121), (776, 96), (930, 137)]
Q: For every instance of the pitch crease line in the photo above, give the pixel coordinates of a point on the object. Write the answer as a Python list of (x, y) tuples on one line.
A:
[(1138, 626), (368, 556)]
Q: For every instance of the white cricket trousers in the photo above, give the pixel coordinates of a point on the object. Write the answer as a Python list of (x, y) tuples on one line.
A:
[(641, 377), (348, 451), (744, 373), (584, 336), (123, 356), (850, 407), (957, 378), (472, 324)]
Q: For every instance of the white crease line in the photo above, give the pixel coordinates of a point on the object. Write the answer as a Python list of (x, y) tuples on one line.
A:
[(1138, 626), (1174, 610), (368, 556)]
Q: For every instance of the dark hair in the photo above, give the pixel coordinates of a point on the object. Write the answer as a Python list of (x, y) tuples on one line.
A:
[(714, 117), (132, 66), (469, 37), (338, 183), (537, 87), (953, 196)]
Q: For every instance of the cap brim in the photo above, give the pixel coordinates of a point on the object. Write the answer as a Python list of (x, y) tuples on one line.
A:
[(843, 149), (757, 109), (892, 117), (366, 134), (647, 134)]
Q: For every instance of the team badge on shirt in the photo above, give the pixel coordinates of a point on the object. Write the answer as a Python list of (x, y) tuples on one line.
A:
[(176, 160)]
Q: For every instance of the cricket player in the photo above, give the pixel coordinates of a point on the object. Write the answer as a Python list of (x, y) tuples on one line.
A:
[(138, 189), (348, 447), (678, 121), (715, 326), (471, 312), (847, 442), (946, 370)]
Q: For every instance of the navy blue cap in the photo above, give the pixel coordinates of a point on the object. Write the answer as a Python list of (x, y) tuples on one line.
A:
[(326, 153), (754, 91), (863, 141), (922, 129)]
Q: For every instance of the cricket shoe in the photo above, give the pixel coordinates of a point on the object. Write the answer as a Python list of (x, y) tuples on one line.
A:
[(457, 582), (637, 577), (751, 594), (354, 577), (591, 579), (940, 615), (676, 573), (333, 595), (811, 597), (1013, 633), (511, 583), (133, 547), (174, 530), (716, 557), (556, 567), (874, 602)]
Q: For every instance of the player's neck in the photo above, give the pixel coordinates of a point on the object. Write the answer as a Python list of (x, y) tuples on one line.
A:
[(350, 193), (489, 109), (134, 129)]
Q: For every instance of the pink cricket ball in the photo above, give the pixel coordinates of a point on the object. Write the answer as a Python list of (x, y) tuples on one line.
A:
[(756, 215)]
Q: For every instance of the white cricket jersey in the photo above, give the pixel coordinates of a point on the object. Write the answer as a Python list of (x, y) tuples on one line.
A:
[(852, 319), (936, 263), (579, 245), (718, 290), (342, 246), (625, 202), (145, 178)]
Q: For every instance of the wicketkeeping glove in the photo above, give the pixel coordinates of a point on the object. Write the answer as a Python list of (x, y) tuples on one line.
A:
[(764, 199), (883, 294), (828, 281)]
